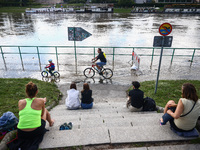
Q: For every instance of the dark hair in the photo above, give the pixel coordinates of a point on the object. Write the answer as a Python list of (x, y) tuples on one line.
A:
[(189, 92), (31, 89), (136, 84), (99, 49), (86, 87), (73, 85)]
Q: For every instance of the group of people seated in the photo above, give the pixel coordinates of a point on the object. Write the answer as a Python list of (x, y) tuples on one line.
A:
[(73, 102), (33, 114), (182, 116)]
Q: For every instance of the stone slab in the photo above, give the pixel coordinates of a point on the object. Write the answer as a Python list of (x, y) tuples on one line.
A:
[(143, 134), (177, 147), (67, 138), (169, 147)]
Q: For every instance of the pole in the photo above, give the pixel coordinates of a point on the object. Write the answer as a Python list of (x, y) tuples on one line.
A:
[(75, 51), (161, 52), (21, 58), (3, 58), (39, 58)]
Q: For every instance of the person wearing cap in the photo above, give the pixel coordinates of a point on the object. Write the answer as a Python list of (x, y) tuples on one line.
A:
[(51, 66), (102, 57), (136, 98)]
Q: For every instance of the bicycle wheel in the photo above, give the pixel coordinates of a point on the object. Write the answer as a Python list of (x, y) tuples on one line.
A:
[(107, 73), (56, 74), (44, 73), (89, 72)]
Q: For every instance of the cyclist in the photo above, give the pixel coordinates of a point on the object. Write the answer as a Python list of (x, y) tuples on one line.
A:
[(102, 57), (51, 66)]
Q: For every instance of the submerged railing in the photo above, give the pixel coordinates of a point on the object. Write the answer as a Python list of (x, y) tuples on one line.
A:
[(57, 51)]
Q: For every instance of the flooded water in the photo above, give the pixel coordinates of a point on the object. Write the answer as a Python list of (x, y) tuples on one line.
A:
[(106, 29), (113, 30)]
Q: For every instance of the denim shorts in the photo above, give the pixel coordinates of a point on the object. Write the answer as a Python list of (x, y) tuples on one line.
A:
[(86, 106), (101, 63)]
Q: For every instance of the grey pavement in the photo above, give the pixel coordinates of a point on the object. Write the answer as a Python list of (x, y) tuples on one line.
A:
[(109, 122)]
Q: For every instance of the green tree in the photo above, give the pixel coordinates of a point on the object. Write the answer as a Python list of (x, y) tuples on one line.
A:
[(125, 3)]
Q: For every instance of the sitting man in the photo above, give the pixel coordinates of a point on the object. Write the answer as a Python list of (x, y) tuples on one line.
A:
[(136, 98)]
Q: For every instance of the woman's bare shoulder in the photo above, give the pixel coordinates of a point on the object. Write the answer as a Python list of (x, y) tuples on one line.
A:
[(22, 101)]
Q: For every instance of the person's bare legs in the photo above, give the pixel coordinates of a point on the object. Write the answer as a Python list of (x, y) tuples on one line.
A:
[(47, 116)]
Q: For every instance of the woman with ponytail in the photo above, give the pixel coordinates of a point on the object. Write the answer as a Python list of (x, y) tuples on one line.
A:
[(32, 120)]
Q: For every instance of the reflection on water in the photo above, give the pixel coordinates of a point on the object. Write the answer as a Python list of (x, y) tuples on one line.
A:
[(15, 24), (51, 79), (106, 29), (100, 80)]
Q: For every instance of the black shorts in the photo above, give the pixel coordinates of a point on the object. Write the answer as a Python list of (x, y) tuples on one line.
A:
[(39, 132)]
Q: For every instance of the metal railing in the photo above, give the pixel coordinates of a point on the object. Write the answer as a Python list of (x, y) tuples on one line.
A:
[(91, 50)]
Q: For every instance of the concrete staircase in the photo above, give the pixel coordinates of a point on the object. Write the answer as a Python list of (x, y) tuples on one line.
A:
[(107, 123)]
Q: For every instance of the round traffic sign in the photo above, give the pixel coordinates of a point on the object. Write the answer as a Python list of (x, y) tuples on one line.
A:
[(165, 29)]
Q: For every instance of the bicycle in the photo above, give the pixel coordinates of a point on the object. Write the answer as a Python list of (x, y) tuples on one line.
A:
[(105, 72), (46, 72)]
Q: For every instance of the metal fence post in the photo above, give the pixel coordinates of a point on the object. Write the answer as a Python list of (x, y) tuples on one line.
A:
[(57, 58), (21, 57), (39, 58), (94, 51), (192, 58), (152, 58), (3, 58), (132, 56), (172, 56), (113, 62)]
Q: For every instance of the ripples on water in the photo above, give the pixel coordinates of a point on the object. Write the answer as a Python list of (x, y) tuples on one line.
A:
[(114, 30), (106, 29)]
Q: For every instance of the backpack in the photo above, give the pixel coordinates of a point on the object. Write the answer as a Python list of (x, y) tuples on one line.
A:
[(8, 121), (149, 104)]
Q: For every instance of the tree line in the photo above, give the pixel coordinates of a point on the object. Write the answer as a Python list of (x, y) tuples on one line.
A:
[(119, 3), (16, 2)]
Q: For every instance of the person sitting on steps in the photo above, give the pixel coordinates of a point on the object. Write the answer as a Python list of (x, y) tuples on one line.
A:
[(184, 115), (72, 101), (136, 98), (32, 120), (86, 97)]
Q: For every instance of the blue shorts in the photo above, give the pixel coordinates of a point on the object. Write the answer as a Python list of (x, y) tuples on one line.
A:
[(86, 106), (101, 63)]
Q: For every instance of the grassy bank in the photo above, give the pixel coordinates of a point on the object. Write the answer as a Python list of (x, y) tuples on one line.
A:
[(167, 90), (12, 90)]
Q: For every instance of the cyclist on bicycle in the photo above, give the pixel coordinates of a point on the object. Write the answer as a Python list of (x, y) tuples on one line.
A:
[(51, 66), (102, 57)]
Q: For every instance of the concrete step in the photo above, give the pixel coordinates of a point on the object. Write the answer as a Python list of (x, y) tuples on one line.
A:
[(67, 138), (106, 123), (169, 147)]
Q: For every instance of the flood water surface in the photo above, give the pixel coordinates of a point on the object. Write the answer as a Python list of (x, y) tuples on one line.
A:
[(112, 30), (107, 29)]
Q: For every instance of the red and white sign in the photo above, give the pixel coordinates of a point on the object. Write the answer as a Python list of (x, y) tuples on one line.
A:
[(136, 61)]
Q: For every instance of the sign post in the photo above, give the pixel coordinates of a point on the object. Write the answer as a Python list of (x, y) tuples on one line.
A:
[(162, 41), (77, 34)]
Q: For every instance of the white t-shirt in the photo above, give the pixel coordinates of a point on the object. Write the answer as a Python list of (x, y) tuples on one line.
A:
[(188, 122), (72, 101)]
